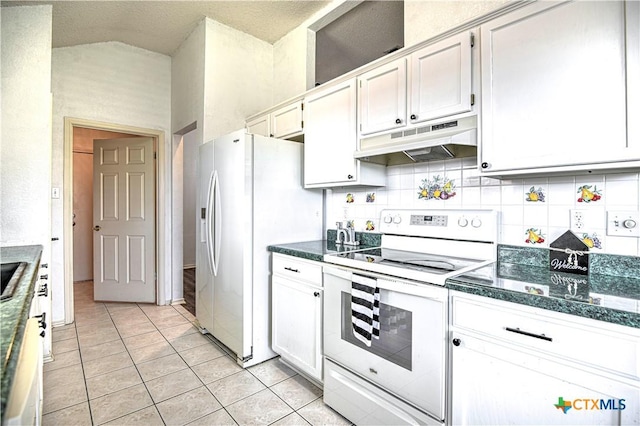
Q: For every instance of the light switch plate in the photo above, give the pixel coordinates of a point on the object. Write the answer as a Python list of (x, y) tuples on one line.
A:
[(623, 223)]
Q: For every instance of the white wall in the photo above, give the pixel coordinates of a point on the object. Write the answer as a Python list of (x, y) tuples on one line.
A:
[(426, 19), (114, 83), (187, 107), (238, 80), (25, 144)]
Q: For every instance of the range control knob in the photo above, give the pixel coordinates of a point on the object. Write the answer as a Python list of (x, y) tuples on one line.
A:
[(463, 222), (397, 219), (629, 223), (476, 222), (388, 219)]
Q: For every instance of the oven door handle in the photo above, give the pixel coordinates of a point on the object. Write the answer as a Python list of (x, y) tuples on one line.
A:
[(400, 286)]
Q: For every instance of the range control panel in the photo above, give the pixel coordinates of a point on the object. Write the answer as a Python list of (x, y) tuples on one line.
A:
[(428, 220), (456, 224)]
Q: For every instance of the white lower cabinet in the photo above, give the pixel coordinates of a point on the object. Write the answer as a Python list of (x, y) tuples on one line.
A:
[(512, 364), (296, 313)]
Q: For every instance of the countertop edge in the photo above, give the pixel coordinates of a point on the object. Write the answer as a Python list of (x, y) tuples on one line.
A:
[(14, 333), (569, 307), (296, 253)]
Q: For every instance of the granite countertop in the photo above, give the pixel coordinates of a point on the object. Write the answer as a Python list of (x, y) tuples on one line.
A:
[(14, 312), (614, 299), (315, 250)]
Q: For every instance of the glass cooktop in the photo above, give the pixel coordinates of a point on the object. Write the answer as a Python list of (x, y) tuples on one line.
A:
[(423, 262)]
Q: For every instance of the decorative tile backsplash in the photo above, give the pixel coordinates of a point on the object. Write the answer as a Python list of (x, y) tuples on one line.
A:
[(534, 211)]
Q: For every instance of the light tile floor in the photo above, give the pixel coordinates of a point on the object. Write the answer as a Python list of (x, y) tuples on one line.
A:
[(127, 363)]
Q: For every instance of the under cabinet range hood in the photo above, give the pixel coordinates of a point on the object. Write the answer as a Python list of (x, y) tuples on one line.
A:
[(448, 139)]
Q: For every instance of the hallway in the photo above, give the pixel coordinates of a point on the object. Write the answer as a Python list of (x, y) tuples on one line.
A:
[(127, 363)]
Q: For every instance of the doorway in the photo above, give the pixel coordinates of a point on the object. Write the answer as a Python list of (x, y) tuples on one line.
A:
[(71, 126), (185, 215), (83, 198)]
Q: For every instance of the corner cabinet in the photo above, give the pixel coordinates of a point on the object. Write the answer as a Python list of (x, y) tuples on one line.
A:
[(283, 123), (296, 313), (513, 364), (433, 82), (330, 141), (561, 88)]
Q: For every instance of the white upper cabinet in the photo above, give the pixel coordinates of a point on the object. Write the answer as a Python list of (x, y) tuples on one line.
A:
[(441, 79), (287, 121), (260, 125), (382, 98), (282, 123), (560, 88), (331, 138), (435, 82)]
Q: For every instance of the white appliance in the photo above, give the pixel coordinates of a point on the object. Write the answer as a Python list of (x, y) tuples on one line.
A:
[(250, 196), (399, 377)]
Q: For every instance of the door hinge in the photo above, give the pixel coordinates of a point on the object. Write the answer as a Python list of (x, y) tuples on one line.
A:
[(155, 156), (473, 99), (302, 124), (302, 106), (473, 40)]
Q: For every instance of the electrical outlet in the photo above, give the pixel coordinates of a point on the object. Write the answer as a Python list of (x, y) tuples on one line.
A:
[(577, 220), (623, 223)]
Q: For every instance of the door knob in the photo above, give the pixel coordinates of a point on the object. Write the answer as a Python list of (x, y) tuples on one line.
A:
[(96, 228)]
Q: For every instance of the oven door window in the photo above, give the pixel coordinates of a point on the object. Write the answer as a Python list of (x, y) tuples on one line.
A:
[(394, 343)]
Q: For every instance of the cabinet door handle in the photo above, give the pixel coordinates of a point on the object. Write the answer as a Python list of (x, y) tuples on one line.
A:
[(485, 165), (42, 320), (44, 290), (316, 293), (291, 269), (456, 342), (349, 177), (527, 333), (398, 121), (413, 116)]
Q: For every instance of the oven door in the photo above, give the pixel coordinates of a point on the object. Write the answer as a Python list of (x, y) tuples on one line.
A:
[(408, 359)]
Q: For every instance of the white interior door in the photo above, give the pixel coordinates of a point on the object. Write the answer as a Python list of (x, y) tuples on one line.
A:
[(124, 220)]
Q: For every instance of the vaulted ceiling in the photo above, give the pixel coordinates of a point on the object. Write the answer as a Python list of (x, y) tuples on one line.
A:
[(161, 26)]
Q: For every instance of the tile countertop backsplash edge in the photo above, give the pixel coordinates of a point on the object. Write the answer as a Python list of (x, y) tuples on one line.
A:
[(15, 312)]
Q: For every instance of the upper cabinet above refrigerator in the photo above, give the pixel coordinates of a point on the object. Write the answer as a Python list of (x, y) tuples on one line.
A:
[(561, 88), (285, 122)]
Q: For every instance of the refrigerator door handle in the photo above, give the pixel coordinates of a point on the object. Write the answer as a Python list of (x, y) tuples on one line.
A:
[(217, 224), (208, 217)]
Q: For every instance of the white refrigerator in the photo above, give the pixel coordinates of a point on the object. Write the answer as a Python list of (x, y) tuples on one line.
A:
[(251, 195)]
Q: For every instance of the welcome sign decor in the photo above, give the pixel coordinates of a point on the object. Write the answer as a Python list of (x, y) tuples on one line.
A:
[(569, 254)]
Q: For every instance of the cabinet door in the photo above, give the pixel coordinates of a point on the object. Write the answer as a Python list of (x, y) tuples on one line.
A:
[(382, 98), (260, 126), (496, 384), (287, 121), (330, 136), (553, 86), (441, 79), (297, 324)]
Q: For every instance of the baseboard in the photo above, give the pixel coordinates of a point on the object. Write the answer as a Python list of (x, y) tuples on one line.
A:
[(55, 324), (180, 301), (189, 267)]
